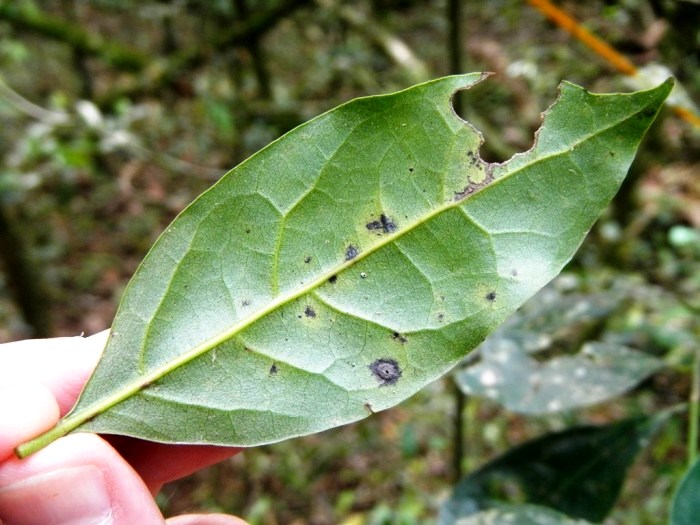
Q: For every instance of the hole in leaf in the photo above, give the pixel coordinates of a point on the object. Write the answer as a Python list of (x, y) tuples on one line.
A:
[(491, 108)]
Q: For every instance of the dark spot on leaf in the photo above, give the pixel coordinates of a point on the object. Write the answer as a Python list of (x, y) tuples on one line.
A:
[(374, 225), (491, 296), (332, 279), (307, 259), (514, 273), (441, 317), (351, 252), (246, 302), (384, 224), (386, 371), (410, 169), (387, 224), (309, 312), (299, 316), (368, 407), (273, 369), (473, 158), (648, 112), (247, 230), (398, 337)]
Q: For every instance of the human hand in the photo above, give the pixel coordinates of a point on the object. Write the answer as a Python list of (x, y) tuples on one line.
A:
[(80, 479)]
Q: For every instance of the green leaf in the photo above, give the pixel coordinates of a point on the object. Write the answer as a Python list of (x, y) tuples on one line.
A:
[(558, 316), (685, 507), (519, 515), (348, 264), (508, 372), (578, 471), (521, 383)]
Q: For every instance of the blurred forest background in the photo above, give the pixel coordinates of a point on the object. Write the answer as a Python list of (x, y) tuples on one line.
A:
[(116, 114)]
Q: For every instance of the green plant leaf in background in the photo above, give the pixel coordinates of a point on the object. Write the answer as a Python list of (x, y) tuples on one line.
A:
[(579, 471), (521, 383), (348, 264), (510, 369), (519, 515), (685, 508)]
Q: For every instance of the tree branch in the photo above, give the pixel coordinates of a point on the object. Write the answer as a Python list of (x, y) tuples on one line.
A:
[(90, 44), (159, 72)]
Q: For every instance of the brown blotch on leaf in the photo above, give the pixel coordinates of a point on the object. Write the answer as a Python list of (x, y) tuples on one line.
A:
[(309, 312), (473, 187), (386, 371), (398, 337)]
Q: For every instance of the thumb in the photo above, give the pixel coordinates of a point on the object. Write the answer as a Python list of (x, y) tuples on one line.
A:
[(205, 519), (26, 409)]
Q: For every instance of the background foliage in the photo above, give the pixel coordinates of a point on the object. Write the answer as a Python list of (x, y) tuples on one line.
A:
[(117, 114)]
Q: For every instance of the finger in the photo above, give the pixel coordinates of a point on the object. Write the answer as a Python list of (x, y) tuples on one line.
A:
[(159, 463), (77, 479), (62, 364), (205, 519), (26, 409)]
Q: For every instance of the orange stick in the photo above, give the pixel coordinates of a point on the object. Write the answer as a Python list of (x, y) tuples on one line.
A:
[(601, 48), (687, 115)]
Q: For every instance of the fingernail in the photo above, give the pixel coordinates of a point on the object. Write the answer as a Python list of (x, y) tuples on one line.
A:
[(71, 496)]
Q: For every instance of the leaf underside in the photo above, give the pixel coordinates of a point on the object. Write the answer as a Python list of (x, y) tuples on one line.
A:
[(521, 383), (349, 263)]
